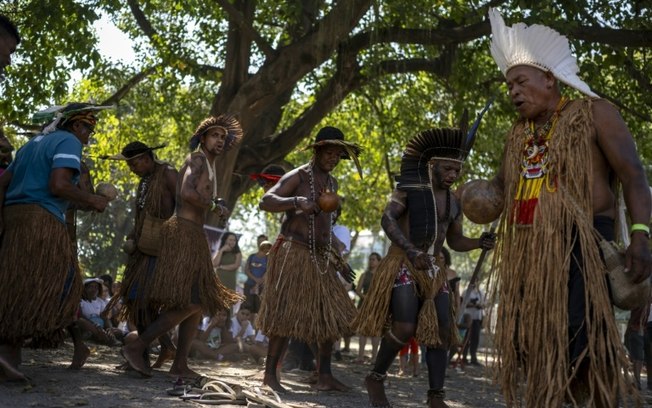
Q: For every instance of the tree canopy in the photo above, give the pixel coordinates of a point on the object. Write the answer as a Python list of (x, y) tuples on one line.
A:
[(380, 70)]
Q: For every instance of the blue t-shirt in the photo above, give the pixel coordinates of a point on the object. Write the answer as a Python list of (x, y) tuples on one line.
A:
[(257, 267), (33, 165)]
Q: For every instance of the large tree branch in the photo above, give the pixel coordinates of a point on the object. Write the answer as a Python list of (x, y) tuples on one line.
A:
[(641, 79), (297, 59), (456, 35), (347, 79), (204, 71), (135, 80), (239, 20)]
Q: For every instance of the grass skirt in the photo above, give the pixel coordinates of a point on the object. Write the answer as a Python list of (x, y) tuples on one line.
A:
[(375, 316), (531, 272), (184, 272), (39, 277), (138, 273), (299, 301)]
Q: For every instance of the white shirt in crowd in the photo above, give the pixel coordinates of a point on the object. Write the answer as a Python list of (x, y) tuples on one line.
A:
[(91, 308), (475, 297), (236, 327)]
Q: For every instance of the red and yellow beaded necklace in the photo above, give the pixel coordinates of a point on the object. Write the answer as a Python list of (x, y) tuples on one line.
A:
[(534, 167)]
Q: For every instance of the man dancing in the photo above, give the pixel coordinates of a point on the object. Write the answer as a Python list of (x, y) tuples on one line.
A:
[(408, 285), (155, 202), (183, 284), (303, 297), (36, 251)]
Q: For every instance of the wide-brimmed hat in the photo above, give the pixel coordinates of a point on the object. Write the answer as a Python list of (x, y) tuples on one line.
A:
[(537, 46), (332, 136), (133, 150)]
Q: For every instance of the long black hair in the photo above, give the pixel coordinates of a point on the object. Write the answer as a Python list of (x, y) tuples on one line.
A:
[(225, 236)]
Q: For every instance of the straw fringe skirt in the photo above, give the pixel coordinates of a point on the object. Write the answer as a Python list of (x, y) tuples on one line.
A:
[(299, 301), (39, 277), (184, 272), (374, 317), (531, 283), (138, 273)]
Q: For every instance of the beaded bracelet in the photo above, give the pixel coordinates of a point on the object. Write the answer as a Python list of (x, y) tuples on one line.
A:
[(640, 227)]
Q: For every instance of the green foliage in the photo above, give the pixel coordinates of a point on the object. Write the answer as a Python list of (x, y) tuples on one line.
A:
[(181, 52)]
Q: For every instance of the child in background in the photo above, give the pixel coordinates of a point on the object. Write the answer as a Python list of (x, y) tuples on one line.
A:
[(413, 348), (245, 335), (215, 340)]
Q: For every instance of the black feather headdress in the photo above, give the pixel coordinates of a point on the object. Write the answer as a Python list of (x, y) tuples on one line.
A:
[(440, 143)]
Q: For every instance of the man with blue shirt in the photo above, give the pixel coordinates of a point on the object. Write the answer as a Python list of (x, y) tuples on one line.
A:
[(40, 281)]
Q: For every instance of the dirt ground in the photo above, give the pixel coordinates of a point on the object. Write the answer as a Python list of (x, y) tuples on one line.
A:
[(99, 384)]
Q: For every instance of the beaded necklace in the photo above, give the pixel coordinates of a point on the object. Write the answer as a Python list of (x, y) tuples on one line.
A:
[(434, 269), (534, 167), (142, 191), (211, 176), (311, 226)]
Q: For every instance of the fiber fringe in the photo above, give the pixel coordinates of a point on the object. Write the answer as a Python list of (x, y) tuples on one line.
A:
[(374, 315), (39, 268), (136, 273), (531, 276), (299, 301), (184, 267)]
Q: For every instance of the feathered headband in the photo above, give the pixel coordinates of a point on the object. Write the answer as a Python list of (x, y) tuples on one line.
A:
[(58, 115), (227, 122), (537, 46), (440, 143)]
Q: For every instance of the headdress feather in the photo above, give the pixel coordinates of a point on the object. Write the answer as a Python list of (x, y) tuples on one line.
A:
[(537, 46)]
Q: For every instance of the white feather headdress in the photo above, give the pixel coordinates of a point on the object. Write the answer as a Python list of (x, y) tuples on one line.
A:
[(537, 46)]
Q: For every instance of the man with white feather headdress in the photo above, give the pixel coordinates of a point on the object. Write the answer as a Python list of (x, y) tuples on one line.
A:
[(562, 161), (409, 289)]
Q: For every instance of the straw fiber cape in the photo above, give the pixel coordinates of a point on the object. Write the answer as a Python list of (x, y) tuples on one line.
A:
[(531, 265), (300, 301)]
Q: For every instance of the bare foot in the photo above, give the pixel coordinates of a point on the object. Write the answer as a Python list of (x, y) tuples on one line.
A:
[(272, 382), (133, 353), (184, 372), (376, 393), (79, 357), (313, 378), (163, 356), (327, 382), (11, 373)]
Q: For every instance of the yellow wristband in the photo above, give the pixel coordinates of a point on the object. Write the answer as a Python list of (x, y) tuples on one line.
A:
[(640, 227)]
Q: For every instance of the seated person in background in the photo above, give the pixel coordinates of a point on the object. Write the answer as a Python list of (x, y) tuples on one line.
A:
[(214, 340), (245, 335), (90, 319)]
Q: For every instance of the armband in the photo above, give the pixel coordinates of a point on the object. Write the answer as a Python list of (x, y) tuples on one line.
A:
[(640, 227), (295, 201)]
